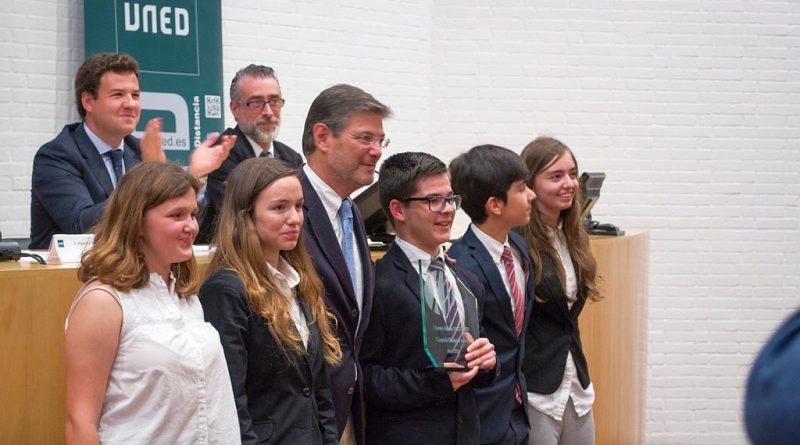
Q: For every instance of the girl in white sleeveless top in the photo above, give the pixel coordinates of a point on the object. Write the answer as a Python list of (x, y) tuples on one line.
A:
[(142, 365)]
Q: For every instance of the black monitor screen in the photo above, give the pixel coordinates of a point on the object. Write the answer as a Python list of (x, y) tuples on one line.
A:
[(590, 183)]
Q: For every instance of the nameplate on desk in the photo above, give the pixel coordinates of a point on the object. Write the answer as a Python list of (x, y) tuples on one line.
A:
[(68, 248)]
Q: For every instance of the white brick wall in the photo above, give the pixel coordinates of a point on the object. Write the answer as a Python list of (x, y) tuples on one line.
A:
[(691, 108)]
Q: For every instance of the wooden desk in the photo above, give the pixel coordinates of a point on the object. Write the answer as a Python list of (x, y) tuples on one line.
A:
[(35, 300), (614, 336), (34, 303)]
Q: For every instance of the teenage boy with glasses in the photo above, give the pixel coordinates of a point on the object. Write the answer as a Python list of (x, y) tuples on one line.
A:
[(406, 400)]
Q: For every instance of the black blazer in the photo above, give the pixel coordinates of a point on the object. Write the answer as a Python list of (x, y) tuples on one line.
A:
[(406, 402), (552, 333), (215, 188), (70, 184), (326, 253), (278, 401), (496, 402)]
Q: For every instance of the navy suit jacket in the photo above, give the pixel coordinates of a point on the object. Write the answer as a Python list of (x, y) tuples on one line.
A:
[(70, 184), (278, 400), (326, 254), (407, 402), (215, 188), (496, 402), (771, 403)]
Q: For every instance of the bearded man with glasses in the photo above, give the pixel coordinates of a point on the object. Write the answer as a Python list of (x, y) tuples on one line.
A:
[(256, 104)]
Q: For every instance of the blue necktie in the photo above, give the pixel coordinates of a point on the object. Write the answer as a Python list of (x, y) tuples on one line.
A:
[(346, 218), (116, 161)]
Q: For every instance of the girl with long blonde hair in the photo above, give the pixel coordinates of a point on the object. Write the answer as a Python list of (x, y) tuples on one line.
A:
[(265, 299)]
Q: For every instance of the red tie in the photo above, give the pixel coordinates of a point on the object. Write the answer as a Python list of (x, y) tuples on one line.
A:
[(519, 303)]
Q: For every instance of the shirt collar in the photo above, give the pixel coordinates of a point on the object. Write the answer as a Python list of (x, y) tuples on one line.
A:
[(415, 255), (494, 247), (285, 273), (330, 199), (99, 144), (257, 148)]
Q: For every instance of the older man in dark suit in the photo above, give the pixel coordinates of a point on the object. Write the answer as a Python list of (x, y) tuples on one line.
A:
[(409, 398), (343, 139), (256, 104)]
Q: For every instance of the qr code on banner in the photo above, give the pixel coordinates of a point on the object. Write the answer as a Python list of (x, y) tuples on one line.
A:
[(213, 107)]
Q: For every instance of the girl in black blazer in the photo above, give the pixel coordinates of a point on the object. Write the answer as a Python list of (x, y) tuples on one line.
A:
[(560, 393), (265, 300)]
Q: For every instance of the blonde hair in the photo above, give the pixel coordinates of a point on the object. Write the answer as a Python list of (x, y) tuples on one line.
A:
[(538, 155), (116, 257), (238, 248)]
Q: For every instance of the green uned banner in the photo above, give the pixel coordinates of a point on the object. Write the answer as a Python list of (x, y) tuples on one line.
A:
[(178, 44)]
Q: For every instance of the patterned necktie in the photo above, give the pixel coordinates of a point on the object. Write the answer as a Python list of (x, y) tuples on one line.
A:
[(519, 303), (516, 292), (346, 219), (116, 161), (265, 154), (450, 307)]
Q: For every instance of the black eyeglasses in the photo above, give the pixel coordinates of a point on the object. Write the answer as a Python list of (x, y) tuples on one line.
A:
[(369, 140), (276, 103), (438, 203)]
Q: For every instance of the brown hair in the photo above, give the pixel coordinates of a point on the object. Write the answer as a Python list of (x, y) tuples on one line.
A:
[(116, 256), (538, 155), (238, 248), (88, 77), (334, 106)]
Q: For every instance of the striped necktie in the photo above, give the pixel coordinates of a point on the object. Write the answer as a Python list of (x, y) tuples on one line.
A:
[(519, 303), (450, 307)]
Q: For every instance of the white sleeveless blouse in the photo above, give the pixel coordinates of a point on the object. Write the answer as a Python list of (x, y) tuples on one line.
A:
[(169, 383)]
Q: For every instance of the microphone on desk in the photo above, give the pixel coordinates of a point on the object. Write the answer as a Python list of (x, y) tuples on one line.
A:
[(10, 251)]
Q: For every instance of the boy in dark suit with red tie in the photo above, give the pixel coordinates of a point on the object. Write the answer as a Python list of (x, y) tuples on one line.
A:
[(491, 182), (407, 402)]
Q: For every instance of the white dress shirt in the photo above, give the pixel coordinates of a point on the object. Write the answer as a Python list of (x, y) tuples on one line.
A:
[(420, 260), (257, 148), (286, 279), (103, 149), (495, 249), (332, 201)]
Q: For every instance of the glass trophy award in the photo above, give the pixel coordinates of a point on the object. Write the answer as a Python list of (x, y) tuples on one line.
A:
[(446, 320)]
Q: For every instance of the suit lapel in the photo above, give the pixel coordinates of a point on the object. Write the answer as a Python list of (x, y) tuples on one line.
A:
[(411, 277), (530, 281), (553, 286), (313, 334), (129, 154), (321, 229), (242, 139), (97, 166), (366, 268), (489, 270)]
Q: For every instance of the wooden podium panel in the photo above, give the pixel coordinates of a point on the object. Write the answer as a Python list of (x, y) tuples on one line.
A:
[(35, 300), (614, 336)]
